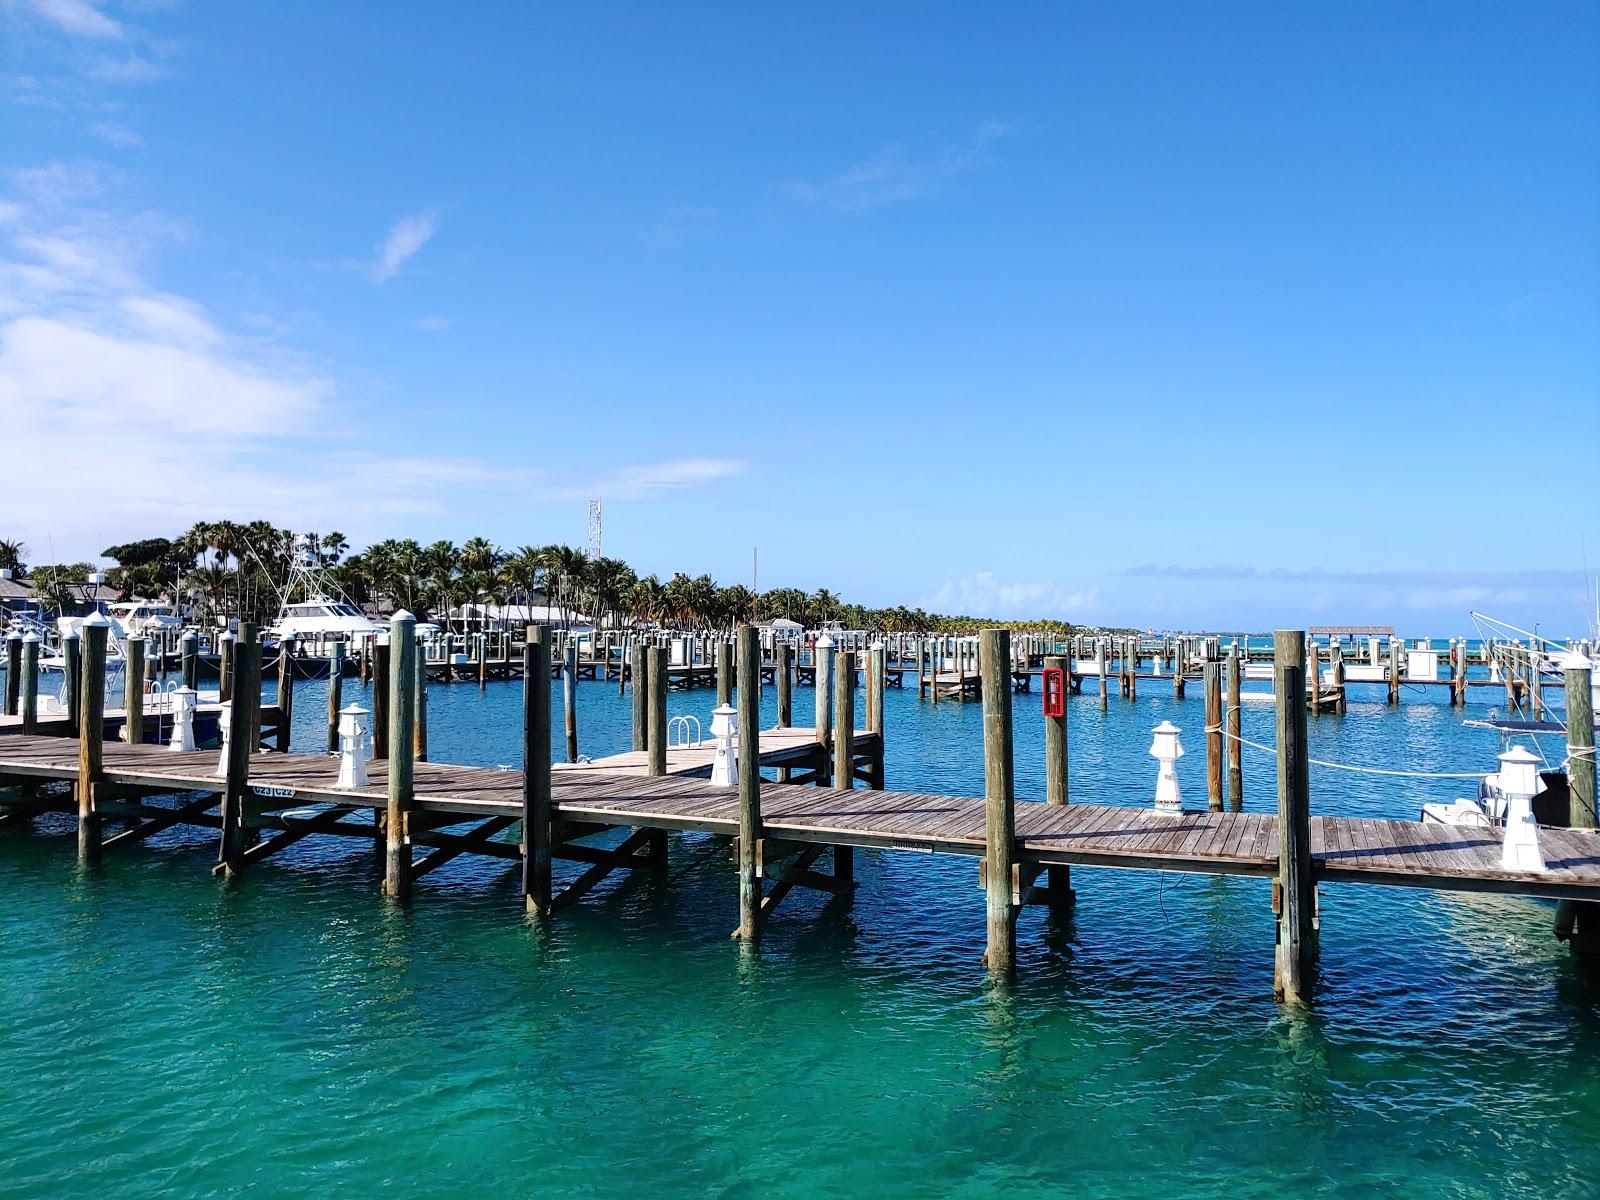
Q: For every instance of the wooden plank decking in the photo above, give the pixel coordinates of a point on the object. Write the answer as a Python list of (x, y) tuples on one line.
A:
[(1402, 853)]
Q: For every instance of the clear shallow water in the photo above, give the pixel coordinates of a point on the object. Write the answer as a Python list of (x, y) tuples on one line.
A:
[(162, 1033)]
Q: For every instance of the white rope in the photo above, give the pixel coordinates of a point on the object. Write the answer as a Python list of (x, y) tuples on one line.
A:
[(1333, 766)]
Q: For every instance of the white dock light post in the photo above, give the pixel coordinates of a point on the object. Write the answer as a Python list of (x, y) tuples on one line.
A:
[(354, 741), (725, 767), (1519, 781), (225, 735), (1166, 750), (183, 704)]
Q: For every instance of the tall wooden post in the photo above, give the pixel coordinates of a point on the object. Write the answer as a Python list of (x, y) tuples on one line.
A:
[(1313, 677), (639, 671), (1295, 892), (1058, 879), (419, 712), (749, 661), (335, 694), (1235, 733), (225, 645), (1578, 922), (784, 680), (30, 683), (656, 744), (13, 673), (569, 699), (133, 691), (1214, 731), (190, 662), (245, 670), (403, 675), (1180, 662), (999, 819), (285, 695), (91, 732), (724, 673), (380, 695), (72, 684), (844, 720), (1396, 669), (822, 670), (536, 769), (1103, 653)]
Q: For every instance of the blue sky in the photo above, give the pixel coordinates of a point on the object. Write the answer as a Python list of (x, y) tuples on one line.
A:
[(1227, 315)]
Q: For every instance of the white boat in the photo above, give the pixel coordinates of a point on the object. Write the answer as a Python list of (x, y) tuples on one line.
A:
[(142, 618), (321, 620)]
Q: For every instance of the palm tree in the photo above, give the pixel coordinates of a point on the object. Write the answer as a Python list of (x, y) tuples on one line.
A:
[(12, 553), (565, 570)]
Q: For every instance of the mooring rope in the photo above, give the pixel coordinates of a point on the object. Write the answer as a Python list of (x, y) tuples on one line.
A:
[(1333, 766)]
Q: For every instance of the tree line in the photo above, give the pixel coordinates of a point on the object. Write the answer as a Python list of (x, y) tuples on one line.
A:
[(248, 569)]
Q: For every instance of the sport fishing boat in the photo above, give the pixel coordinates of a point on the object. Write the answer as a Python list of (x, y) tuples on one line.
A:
[(313, 617)]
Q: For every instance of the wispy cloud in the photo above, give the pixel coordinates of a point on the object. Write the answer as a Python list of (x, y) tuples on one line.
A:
[(77, 18), (114, 134), (405, 237), (646, 480), (1432, 578), (432, 324), (127, 68), (984, 595), (893, 175)]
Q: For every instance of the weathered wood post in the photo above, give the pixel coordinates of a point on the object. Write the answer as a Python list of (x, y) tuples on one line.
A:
[(419, 711), (30, 683), (1535, 680), (1057, 879), (245, 671), (1235, 732), (640, 674), (749, 661), (724, 673), (72, 683), (822, 671), (999, 819), (1180, 663), (380, 696), (877, 674), (1578, 923), (1102, 651), (1313, 677), (569, 698), (133, 691), (404, 671), (1396, 669), (225, 644), (1336, 673), (656, 744), (1294, 890), (285, 696), (536, 769), (1212, 678), (13, 673), (189, 670), (783, 680), (844, 743), (91, 733), (335, 694)]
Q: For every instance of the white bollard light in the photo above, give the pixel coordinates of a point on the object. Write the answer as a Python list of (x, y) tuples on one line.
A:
[(1166, 750), (183, 704), (224, 729), (354, 744), (1519, 782), (725, 767)]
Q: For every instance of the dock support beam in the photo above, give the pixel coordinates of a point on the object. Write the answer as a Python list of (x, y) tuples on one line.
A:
[(1057, 879), (245, 664), (335, 695), (403, 689), (1295, 891), (1578, 923), (536, 768), (822, 676), (285, 696), (656, 741), (30, 683), (999, 827), (13, 672), (91, 731), (1235, 733), (569, 699), (133, 691), (639, 674), (749, 660), (1212, 679)]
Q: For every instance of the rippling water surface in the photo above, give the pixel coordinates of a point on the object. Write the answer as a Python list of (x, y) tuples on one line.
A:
[(165, 1034)]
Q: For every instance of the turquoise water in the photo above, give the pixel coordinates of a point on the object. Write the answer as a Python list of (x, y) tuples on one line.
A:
[(166, 1034)]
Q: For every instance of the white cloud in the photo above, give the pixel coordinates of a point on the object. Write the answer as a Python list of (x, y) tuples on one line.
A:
[(406, 236), (116, 135), (983, 595), (432, 324), (78, 18), (131, 68), (654, 479), (891, 175)]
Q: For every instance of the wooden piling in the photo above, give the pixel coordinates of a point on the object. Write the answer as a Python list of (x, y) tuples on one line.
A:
[(335, 694), (225, 645), (1313, 677), (1212, 679), (419, 711), (189, 670), (380, 696), (30, 683), (285, 696), (749, 662), (724, 673), (91, 733), (1057, 879), (1235, 732), (536, 768), (569, 699), (1578, 922), (13, 673), (1179, 663), (245, 661), (1294, 890), (656, 746), (1103, 653), (640, 674), (133, 684), (822, 673), (999, 819), (72, 681), (844, 720), (783, 674), (403, 675), (1396, 669)]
